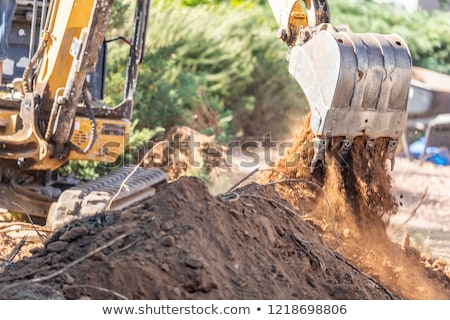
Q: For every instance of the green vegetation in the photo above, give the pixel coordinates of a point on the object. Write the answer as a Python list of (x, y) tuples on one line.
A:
[(425, 32), (218, 67)]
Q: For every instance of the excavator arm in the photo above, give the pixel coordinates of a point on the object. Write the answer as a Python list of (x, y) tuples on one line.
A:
[(355, 84)]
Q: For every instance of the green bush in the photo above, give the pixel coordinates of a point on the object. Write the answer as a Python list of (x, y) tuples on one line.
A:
[(425, 32), (229, 53)]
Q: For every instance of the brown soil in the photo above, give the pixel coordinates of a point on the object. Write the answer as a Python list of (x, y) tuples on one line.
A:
[(293, 235)]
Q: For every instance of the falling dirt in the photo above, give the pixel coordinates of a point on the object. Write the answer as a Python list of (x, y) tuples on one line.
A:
[(292, 235), (350, 202)]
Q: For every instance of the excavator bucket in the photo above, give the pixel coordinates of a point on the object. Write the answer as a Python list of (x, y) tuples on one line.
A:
[(355, 84)]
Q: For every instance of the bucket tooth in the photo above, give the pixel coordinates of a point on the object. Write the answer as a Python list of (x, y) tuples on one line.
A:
[(320, 147), (370, 146), (344, 150), (390, 151)]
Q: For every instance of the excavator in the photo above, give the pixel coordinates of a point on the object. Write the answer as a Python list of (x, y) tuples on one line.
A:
[(51, 109)]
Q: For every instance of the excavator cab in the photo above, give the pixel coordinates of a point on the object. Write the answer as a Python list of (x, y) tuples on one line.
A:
[(356, 84), (23, 39)]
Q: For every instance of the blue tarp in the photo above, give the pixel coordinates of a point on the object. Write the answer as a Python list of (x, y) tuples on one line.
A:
[(439, 156)]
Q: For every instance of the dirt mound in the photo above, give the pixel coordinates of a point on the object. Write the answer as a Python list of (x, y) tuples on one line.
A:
[(184, 151), (185, 243), (293, 235)]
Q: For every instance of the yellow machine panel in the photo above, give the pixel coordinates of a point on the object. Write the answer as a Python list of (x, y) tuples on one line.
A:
[(8, 121), (110, 140)]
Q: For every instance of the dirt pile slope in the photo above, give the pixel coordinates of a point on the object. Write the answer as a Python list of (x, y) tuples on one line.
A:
[(186, 244)]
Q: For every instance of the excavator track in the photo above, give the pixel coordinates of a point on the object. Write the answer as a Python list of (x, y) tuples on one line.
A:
[(117, 190)]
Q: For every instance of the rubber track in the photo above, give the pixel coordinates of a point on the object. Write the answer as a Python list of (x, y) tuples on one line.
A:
[(93, 197), (142, 179)]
